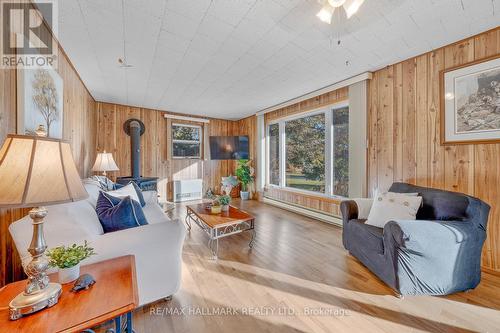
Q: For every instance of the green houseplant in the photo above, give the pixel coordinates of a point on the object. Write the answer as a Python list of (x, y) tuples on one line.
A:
[(224, 202), (68, 259), (244, 173)]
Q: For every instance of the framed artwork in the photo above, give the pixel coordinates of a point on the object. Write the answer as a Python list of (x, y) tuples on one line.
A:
[(470, 103), (39, 102)]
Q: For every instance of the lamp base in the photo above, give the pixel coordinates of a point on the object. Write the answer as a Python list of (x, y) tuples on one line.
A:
[(25, 304)]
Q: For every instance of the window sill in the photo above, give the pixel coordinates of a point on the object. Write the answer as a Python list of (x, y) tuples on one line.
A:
[(307, 194), (186, 158)]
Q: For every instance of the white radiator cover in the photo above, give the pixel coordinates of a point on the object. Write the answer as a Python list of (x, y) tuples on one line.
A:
[(186, 190)]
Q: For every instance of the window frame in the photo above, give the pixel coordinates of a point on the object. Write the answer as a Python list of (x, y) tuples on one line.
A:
[(200, 141), (329, 150)]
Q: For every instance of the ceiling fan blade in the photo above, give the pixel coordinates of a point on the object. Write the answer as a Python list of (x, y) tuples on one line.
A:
[(352, 6), (326, 14)]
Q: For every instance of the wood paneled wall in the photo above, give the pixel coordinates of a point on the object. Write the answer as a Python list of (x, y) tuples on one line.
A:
[(404, 133), (79, 129), (156, 143), (313, 202)]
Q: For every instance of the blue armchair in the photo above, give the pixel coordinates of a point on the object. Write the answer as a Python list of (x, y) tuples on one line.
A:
[(438, 254)]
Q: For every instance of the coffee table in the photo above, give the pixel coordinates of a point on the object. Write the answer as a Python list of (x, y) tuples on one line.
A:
[(220, 225)]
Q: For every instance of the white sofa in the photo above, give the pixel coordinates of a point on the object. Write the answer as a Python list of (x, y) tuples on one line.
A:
[(157, 246)]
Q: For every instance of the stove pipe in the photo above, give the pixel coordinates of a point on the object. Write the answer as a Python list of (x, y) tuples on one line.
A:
[(135, 128), (135, 138)]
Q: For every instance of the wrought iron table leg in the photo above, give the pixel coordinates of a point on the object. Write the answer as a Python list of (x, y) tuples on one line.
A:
[(252, 241), (213, 245), (188, 222)]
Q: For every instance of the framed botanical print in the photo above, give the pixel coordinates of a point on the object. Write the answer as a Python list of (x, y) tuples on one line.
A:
[(40, 102), (470, 103)]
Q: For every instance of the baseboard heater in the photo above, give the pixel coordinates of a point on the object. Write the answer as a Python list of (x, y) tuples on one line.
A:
[(304, 211), (187, 190)]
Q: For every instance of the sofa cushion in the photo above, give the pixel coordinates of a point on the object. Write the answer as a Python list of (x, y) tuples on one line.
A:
[(93, 188), (139, 193), (105, 183), (449, 209), (437, 204), (127, 191), (365, 236), (393, 206), (118, 214)]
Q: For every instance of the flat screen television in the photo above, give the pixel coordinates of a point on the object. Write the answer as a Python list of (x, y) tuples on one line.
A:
[(229, 147)]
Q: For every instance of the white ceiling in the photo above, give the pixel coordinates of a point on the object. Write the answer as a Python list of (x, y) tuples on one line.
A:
[(232, 58)]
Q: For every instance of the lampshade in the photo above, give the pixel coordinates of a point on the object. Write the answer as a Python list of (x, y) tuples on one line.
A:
[(105, 162), (37, 171)]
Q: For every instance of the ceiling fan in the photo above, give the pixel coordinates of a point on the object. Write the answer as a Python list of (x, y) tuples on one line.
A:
[(330, 6)]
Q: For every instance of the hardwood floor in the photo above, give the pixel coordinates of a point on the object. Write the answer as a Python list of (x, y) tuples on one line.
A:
[(299, 265)]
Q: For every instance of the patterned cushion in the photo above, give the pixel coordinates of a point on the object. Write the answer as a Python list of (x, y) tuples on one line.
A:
[(105, 183), (118, 214), (391, 206)]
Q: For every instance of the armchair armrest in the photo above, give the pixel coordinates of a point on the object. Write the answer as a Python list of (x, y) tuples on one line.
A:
[(427, 234), (349, 210), (434, 257)]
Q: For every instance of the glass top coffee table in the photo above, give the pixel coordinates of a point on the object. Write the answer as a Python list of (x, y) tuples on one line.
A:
[(220, 225)]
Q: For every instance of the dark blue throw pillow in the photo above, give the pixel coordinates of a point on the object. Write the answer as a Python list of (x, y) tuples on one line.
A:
[(139, 193), (118, 214)]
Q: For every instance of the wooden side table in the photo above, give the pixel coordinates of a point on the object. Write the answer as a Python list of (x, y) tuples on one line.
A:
[(114, 294)]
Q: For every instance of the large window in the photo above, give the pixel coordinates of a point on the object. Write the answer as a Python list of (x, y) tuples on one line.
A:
[(186, 141), (315, 152), (305, 153)]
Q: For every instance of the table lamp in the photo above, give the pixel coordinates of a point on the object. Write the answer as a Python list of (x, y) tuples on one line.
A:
[(105, 162), (37, 171)]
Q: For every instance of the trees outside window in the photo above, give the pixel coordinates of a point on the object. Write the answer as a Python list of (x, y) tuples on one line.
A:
[(186, 141), (274, 154), (305, 153), (315, 149), (341, 152)]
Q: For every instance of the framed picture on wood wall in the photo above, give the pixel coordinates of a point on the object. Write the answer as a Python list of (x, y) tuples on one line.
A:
[(39, 102), (470, 103)]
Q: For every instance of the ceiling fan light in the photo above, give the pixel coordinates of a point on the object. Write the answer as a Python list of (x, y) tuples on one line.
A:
[(352, 6), (336, 3), (326, 14)]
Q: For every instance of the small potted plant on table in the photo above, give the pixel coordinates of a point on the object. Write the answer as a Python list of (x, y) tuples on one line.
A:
[(224, 202), (68, 259), (244, 172), (216, 207)]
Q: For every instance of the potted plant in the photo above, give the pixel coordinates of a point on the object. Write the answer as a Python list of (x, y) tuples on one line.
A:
[(216, 207), (244, 173), (224, 202), (68, 259)]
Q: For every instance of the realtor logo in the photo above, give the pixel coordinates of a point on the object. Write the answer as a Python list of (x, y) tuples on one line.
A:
[(27, 31)]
